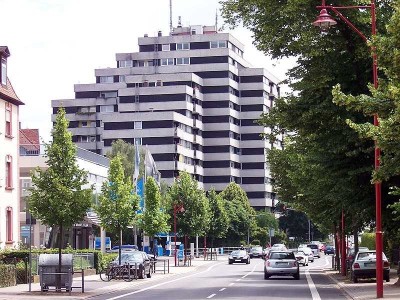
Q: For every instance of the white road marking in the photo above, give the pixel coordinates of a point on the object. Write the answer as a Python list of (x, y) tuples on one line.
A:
[(244, 276), (232, 283), (222, 289), (311, 285), (238, 279), (162, 283), (212, 295)]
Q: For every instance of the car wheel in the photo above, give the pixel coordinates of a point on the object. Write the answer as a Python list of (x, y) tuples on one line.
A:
[(248, 261), (297, 276), (355, 279), (142, 274), (230, 262), (149, 274), (266, 276)]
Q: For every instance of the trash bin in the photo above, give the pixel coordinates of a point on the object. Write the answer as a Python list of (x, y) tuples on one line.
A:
[(48, 266), (160, 250), (222, 251)]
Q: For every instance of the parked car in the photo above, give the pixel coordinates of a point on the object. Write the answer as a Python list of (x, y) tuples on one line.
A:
[(351, 253), (301, 257), (364, 266), (278, 247), (315, 249), (123, 248), (329, 250), (309, 252), (281, 263), (139, 262), (239, 256), (256, 251)]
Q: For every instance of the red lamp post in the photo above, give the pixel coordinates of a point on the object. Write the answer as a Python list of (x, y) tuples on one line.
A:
[(324, 21), (177, 208)]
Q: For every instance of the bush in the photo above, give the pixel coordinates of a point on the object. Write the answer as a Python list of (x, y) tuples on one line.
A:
[(7, 275), (368, 240), (256, 242)]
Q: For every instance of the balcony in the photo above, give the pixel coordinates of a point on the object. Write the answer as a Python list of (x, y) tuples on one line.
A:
[(31, 149)]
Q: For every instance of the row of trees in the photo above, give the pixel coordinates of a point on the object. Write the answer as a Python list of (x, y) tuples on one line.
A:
[(326, 165), (59, 198)]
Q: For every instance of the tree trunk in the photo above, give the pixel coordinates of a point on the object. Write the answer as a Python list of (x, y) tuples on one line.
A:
[(337, 248), (356, 245), (60, 244)]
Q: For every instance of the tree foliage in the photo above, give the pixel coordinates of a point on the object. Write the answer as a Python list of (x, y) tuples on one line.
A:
[(325, 166), (195, 218), (241, 214), (117, 203), (219, 219), (155, 219), (58, 197)]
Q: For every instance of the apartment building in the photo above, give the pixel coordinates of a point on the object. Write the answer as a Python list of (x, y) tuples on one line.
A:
[(190, 97), (9, 185)]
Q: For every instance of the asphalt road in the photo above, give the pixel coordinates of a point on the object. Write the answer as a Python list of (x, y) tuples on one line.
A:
[(238, 281)]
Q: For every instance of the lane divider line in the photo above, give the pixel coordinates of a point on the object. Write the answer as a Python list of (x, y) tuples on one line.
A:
[(254, 268), (163, 283), (232, 283), (222, 289), (311, 285), (212, 295)]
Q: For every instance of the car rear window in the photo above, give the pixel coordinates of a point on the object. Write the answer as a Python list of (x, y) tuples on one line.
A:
[(312, 246), (282, 255)]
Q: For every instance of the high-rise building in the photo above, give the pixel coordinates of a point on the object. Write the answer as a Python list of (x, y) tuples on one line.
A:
[(190, 97)]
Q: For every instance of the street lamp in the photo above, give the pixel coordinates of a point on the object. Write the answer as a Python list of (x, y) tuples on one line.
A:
[(177, 208), (324, 21)]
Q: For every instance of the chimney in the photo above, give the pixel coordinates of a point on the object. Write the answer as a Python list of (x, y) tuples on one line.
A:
[(146, 35), (160, 33)]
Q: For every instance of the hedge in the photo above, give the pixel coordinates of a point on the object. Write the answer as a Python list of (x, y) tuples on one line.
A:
[(7, 275)]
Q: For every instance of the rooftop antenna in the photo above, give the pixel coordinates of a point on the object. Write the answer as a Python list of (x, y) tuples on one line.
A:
[(179, 21), (216, 20), (170, 17)]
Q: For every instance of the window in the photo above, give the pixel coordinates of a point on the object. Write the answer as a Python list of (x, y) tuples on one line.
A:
[(183, 61), (140, 63), (218, 44), (150, 63), (159, 83), (165, 47), (138, 125), (106, 79), (3, 72), (84, 124), (167, 61), (8, 119), (182, 46), (125, 63), (112, 94), (9, 179), (106, 108), (121, 78), (9, 221)]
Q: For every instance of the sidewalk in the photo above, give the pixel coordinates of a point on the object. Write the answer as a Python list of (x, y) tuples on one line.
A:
[(366, 289), (95, 286)]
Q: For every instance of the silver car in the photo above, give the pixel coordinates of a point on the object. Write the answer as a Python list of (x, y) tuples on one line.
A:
[(281, 263)]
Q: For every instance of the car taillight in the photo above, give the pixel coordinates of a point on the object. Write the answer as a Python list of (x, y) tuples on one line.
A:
[(356, 266), (386, 264)]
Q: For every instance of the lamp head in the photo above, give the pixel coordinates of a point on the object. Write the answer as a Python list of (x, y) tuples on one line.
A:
[(324, 20)]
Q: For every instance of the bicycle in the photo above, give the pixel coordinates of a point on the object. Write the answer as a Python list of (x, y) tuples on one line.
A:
[(116, 272)]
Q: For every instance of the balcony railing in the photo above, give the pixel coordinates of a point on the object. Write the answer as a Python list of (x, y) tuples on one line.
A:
[(31, 149)]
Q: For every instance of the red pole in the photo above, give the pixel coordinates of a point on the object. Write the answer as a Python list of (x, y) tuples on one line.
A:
[(343, 266), (378, 191), (175, 233)]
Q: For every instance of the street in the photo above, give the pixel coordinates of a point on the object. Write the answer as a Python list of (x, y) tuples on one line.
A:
[(218, 280)]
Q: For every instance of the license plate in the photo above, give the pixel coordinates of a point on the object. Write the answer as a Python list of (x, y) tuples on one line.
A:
[(371, 265), (281, 263), (238, 260)]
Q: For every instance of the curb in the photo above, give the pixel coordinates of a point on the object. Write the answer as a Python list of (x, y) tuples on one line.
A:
[(341, 286)]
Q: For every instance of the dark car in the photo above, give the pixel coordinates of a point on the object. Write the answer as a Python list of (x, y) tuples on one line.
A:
[(239, 256), (124, 248), (329, 250), (256, 251), (139, 263)]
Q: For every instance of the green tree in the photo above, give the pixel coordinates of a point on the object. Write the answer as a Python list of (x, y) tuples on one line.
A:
[(219, 219), (57, 198), (117, 202), (195, 218), (265, 221), (241, 214), (324, 167), (155, 219)]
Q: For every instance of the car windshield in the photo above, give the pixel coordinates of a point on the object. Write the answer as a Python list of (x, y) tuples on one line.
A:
[(299, 253), (238, 252), (312, 246), (130, 257), (282, 255), (256, 249)]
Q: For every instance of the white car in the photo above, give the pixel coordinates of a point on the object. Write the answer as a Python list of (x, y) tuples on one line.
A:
[(309, 252), (301, 257), (278, 247)]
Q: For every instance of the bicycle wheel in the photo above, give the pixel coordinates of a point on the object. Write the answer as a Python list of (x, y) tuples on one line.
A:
[(105, 274), (126, 274)]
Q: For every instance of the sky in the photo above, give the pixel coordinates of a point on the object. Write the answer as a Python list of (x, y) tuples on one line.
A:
[(55, 44)]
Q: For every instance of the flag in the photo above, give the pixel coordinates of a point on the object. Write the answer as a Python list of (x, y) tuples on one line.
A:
[(137, 163), (151, 168)]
